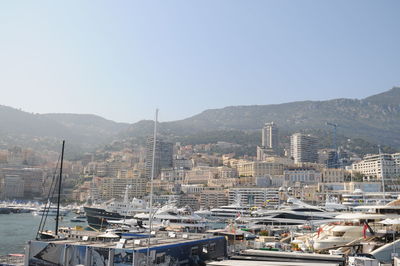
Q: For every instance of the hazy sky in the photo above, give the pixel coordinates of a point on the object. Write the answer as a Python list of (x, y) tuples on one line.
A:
[(122, 59)]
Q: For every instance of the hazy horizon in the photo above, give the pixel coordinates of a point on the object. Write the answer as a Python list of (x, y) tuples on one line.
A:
[(190, 115)]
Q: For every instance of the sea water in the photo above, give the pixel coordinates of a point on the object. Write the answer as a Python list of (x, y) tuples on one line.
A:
[(17, 228)]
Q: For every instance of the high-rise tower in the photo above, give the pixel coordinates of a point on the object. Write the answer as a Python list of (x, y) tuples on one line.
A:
[(269, 141), (303, 148), (163, 156), (270, 136)]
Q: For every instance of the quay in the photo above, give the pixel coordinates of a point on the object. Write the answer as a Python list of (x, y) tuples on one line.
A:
[(288, 257)]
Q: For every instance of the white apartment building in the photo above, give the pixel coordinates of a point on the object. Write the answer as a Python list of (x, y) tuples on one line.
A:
[(213, 199), (377, 166), (254, 196), (192, 189), (303, 148), (115, 187)]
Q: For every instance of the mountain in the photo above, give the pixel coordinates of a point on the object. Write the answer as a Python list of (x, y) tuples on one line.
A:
[(375, 118), (45, 131)]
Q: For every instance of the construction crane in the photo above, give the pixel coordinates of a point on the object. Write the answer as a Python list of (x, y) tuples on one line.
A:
[(336, 155)]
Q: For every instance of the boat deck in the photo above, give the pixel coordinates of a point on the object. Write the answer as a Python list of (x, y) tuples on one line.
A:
[(138, 242)]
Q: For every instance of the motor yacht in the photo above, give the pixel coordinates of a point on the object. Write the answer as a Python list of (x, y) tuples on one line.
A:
[(98, 216), (50, 211), (176, 218), (295, 212), (352, 226)]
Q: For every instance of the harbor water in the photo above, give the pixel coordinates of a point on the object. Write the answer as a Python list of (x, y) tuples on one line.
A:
[(16, 229)]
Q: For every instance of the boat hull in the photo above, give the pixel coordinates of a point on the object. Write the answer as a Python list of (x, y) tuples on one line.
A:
[(97, 217)]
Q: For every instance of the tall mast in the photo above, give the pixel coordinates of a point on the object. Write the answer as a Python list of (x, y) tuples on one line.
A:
[(382, 175), (59, 187), (151, 186)]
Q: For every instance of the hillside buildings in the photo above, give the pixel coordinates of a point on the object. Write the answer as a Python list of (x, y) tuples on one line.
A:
[(254, 196), (202, 174), (163, 156), (114, 188), (301, 176), (303, 148), (259, 169), (269, 138), (269, 141), (19, 183)]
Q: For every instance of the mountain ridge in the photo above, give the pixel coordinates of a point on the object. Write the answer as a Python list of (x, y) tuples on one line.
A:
[(371, 118), (375, 118)]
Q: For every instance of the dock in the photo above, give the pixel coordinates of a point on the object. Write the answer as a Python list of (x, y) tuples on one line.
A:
[(288, 257)]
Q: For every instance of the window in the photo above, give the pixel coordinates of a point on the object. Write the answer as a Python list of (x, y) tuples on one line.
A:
[(338, 233), (194, 251), (211, 248), (160, 258)]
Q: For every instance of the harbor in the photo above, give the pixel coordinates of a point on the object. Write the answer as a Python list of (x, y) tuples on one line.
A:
[(367, 234)]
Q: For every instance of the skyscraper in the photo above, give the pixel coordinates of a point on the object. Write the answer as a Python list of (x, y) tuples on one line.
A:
[(163, 156), (270, 136), (269, 141), (303, 148)]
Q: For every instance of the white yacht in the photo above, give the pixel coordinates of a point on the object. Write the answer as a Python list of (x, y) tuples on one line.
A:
[(175, 218), (390, 210), (206, 214), (351, 227), (50, 211), (230, 212), (296, 213)]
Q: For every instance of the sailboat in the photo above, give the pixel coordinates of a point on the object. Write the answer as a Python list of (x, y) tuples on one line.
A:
[(46, 234)]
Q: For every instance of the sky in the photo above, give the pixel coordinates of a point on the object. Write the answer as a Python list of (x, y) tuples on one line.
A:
[(123, 59)]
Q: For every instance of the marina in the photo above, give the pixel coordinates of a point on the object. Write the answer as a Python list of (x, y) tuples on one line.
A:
[(292, 232)]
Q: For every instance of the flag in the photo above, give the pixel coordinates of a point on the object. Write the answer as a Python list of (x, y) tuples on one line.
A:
[(365, 227), (320, 231)]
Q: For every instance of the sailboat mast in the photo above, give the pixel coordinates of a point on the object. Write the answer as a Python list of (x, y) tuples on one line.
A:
[(382, 172), (151, 186), (59, 187)]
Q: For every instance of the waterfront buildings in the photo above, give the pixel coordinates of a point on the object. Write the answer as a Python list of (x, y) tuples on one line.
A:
[(111, 187), (254, 196), (213, 198), (12, 187), (21, 183)]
